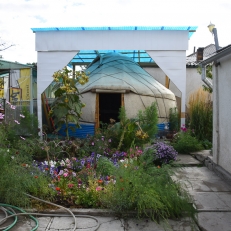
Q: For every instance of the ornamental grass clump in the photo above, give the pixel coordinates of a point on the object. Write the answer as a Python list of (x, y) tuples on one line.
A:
[(201, 115)]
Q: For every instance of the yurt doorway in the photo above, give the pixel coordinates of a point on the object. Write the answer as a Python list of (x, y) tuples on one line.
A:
[(109, 105)]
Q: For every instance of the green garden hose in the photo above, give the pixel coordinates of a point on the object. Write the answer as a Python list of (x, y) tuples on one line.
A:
[(6, 215), (9, 209), (13, 214)]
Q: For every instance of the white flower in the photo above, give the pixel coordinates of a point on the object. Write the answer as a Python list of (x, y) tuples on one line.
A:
[(62, 163)]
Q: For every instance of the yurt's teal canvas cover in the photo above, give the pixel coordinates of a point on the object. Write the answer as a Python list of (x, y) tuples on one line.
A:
[(115, 80)]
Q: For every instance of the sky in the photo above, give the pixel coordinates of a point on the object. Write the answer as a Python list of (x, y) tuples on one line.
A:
[(17, 17)]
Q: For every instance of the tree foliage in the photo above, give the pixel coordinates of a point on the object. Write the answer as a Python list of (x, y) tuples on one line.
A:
[(67, 105)]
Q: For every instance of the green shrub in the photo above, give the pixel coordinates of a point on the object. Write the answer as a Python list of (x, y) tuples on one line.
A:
[(19, 177), (28, 124), (139, 130), (174, 120), (147, 191), (185, 142)]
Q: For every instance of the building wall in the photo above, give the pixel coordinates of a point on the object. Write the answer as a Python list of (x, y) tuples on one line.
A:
[(193, 80), (221, 113)]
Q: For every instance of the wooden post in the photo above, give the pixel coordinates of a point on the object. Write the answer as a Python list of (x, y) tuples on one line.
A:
[(167, 82), (97, 111), (45, 110), (122, 100)]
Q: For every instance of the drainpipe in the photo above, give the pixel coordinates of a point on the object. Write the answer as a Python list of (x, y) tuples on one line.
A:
[(203, 77), (217, 116)]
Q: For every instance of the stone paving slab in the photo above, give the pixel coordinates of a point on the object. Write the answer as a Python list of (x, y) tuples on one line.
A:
[(195, 185), (212, 200), (106, 224), (217, 185), (200, 173), (170, 225), (215, 221), (187, 160), (201, 155)]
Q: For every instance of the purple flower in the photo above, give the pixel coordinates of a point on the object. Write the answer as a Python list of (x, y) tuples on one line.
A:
[(165, 152), (82, 162)]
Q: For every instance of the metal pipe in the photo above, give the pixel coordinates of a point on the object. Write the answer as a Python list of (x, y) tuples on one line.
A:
[(216, 38), (204, 79)]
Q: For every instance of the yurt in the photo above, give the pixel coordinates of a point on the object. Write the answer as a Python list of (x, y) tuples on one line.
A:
[(115, 80)]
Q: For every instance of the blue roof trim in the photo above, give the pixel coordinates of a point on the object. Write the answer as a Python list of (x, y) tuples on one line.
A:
[(116, 28), (191, 29)]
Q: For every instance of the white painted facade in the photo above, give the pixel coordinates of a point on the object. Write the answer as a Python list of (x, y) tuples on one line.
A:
[(55, 49), (222, 113), (193, 80)]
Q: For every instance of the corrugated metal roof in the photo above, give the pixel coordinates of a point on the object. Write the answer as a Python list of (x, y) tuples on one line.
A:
[(84, 57), (191, 29), (5, 65), (191, 60)]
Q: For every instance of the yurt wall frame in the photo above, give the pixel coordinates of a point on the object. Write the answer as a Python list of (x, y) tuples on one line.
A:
[(57, 46)]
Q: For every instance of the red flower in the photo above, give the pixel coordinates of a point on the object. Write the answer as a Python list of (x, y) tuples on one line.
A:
[(100, 181), (35, 176), (70, 185), (57, 188), (46, 169)]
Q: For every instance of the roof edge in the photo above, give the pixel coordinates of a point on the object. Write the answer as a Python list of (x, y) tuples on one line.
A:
[(224, 52), (103, 28)]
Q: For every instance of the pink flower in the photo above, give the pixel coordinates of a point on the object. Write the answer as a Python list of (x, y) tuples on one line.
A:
[(65, 174), (98, 188), (22, 138), (16, 122), (22, 116), (12, 107)]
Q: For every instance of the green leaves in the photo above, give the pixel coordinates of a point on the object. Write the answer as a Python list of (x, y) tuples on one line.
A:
[(67, 106)]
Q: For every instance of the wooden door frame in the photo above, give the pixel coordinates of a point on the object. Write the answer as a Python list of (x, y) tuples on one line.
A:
[(97, 108)]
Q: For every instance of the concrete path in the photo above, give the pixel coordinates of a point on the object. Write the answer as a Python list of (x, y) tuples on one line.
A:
[(211, 194)]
